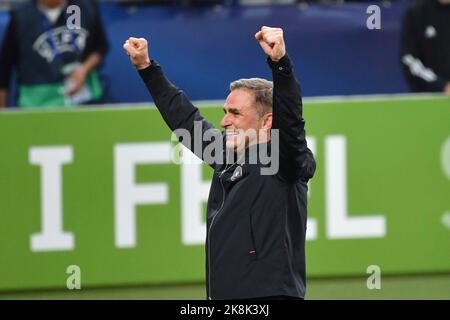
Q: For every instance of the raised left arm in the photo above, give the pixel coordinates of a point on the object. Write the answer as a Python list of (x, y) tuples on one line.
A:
[(296, 160)]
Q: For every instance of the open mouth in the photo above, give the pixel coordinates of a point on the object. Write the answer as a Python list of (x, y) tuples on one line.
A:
[(231, 133)]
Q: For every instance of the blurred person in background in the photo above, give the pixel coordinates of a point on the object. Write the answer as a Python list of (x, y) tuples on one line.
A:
[(256, 223), (55, 63), (425, 46)]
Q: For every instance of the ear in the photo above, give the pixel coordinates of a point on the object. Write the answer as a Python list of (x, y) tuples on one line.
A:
[(267, 121)]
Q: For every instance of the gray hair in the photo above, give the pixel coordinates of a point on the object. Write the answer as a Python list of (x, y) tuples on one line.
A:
[(262, 89)]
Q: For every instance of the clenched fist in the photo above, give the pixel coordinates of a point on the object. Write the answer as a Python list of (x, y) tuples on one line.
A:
[(137, 50), (272, 42)]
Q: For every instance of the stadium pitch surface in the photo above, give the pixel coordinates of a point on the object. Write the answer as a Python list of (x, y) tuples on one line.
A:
[(392, 287)]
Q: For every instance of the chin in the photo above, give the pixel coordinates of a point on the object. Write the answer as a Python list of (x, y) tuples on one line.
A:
[(231, 145), (234, 143)]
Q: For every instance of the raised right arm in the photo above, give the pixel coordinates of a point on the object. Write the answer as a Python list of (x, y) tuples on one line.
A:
[(176, 109)]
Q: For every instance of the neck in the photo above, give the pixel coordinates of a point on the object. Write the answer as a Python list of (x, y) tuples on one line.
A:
[(257, 153), (264, 136)]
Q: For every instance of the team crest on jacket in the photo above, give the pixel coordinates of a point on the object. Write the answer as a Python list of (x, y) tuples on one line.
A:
[(60, 40), (237, 174)]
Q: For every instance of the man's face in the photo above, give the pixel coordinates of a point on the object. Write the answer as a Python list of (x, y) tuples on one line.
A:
[(240, 116)]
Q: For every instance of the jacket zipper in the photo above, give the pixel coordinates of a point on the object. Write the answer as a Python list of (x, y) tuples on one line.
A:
[(209, 230)]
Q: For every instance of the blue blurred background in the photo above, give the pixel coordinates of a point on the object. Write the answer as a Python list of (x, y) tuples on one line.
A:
[(334, 52)]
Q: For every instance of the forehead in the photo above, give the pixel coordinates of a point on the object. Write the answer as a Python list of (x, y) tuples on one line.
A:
[(239, 98)]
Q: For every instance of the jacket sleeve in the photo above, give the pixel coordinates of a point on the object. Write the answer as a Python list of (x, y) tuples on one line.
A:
[(181, 115), (420, 77), (296, 161), (8, 54)]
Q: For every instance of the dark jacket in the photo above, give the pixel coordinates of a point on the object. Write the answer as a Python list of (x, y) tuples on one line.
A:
[(256, 224), (425, 46)]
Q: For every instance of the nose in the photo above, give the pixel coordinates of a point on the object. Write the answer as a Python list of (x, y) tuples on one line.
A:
[(225, 122)]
